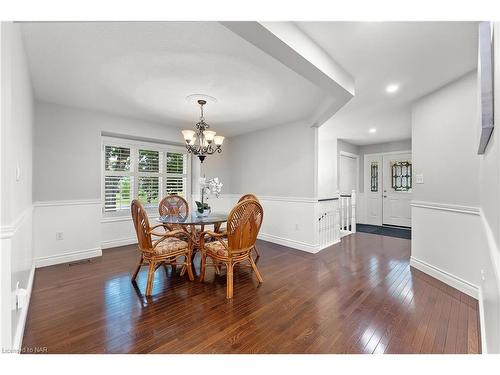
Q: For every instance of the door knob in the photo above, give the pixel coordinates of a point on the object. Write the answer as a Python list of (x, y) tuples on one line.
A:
[(385, 196)]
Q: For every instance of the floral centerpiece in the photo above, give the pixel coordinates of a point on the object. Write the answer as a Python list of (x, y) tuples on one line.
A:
[(213, 186)]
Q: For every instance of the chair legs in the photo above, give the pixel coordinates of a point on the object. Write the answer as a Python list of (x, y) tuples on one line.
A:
[(257, 252), (134, 276), (203, 266), (229, 291), (151, 274), (257, 273), (189, 268)]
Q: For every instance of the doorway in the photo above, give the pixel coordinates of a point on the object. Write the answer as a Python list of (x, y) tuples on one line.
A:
[(348, 172), (388, 188)]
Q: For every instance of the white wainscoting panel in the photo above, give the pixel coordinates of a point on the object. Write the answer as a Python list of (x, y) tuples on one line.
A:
[(78, 221), (292, 222), (117, 231), (448, 242), (16, 266), (455, 245)]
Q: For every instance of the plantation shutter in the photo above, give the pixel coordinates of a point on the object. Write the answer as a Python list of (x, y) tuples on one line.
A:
[(117, 179), (176, 180), (144, 171)]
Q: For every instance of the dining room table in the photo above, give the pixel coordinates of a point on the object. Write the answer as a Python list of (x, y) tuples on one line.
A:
[(192, 222)]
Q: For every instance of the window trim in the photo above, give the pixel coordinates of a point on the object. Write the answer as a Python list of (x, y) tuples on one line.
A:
[(134, 172)]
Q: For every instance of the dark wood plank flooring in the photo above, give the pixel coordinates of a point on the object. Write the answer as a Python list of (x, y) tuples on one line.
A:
[(360, 296)]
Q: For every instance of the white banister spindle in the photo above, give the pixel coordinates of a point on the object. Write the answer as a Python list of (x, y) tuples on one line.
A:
[(353, 211), (347, 210), (337, 219), (342, 213), (328, 222)]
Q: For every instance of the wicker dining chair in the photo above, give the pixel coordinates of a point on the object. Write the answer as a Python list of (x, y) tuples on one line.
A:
[(235, 244), (254, 197), (165, 250), (174, 205), (248, 196)]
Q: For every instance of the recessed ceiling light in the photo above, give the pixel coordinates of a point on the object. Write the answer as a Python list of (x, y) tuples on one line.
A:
[(372, 130), (392, 88)]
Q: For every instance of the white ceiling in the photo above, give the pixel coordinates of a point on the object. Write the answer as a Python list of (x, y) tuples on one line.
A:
[(420, 56), (145, 70)]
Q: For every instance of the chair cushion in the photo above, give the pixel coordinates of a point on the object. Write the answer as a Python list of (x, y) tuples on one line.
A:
[(170, 245), (216, 247)]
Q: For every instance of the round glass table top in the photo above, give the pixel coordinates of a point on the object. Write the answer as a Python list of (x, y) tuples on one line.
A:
[(193, 219)]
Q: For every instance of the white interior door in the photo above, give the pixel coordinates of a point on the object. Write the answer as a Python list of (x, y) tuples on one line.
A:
[(348, 174), (397, 182), (373, 189)]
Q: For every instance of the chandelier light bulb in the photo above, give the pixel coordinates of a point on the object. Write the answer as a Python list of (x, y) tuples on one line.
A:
[(209, 135), (188, 135), (218, 140)]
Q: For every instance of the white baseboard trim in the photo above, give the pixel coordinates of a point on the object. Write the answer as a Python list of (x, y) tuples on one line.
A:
[(330, 244), (446, 277), (118, 242), (18, 338), (294, 244), (67, 257)]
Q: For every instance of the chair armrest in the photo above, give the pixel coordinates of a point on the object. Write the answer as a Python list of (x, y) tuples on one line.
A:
[(158, 226)]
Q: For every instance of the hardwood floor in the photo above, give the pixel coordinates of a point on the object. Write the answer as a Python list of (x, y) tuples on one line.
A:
[(360, 296)]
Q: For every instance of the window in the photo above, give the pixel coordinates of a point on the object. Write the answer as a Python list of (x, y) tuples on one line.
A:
[(401, 175), (140, 170), (374, 176)]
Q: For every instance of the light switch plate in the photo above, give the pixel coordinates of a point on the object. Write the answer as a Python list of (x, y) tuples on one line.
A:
[(420, 178)]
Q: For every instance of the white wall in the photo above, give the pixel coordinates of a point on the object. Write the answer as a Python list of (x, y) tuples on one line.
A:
[(327, 165), (16, 185), (278, 161), (449, 238), (445, 124)]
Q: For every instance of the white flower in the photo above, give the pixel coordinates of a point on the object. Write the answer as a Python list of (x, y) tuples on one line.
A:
[(215, 186)]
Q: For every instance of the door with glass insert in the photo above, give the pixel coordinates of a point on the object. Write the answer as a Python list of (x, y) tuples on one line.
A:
[(373, 189), (397, 188)]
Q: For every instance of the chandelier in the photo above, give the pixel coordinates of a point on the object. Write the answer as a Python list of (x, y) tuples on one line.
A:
[(202, 142)]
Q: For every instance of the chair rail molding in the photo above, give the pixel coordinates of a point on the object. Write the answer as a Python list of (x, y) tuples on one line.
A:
[(8, 231), (70, 202), (446, 207)]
